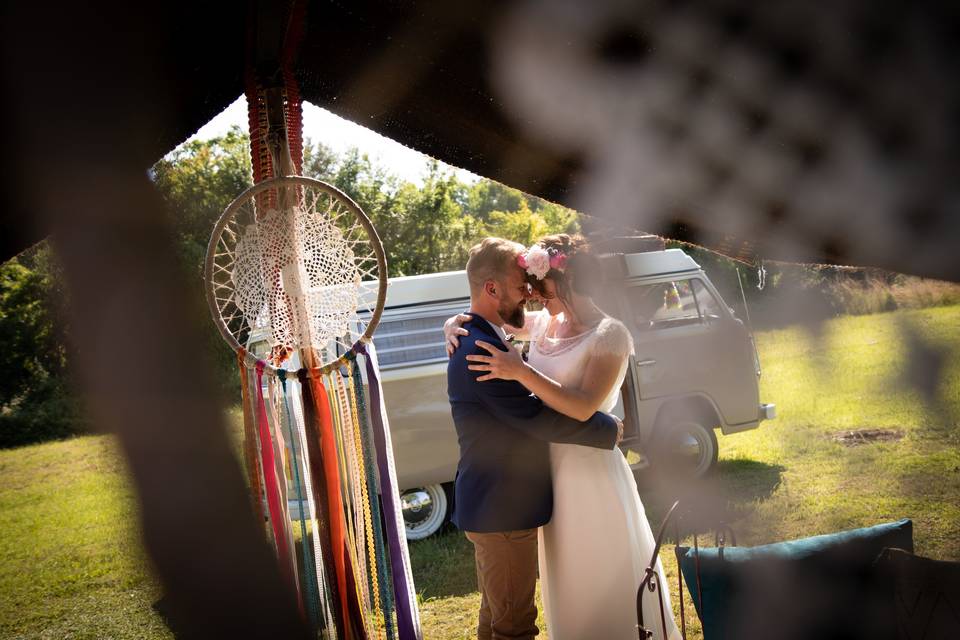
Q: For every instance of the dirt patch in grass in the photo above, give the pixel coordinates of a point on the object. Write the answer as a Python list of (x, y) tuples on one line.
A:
[(857, 437)]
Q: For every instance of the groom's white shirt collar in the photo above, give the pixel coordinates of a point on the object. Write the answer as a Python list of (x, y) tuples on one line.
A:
[(501, 333)]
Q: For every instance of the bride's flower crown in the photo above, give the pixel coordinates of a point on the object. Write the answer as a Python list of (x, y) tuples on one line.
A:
[(538, 260)]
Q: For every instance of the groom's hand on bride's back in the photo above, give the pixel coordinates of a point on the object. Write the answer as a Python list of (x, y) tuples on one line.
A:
[(452, 329)]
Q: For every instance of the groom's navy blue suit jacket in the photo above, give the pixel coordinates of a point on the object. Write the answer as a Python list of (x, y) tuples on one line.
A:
[(503, 477)]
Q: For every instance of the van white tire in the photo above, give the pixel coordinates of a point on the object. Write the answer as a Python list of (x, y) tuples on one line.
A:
[(425, 510), (685, 448)]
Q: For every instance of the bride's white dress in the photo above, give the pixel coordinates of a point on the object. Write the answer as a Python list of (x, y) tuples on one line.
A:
[(595, 549)]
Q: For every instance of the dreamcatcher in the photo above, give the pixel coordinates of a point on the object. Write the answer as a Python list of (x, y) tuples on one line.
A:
[(295, 273)]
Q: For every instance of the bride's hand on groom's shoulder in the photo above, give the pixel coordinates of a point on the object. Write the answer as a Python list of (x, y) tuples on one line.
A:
[(619, 428), (452, 329), (503, 365)]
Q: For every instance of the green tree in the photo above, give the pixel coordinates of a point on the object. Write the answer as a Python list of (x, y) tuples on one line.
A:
[(486, 196), (197, 181), (559, 219), (36, 402), (374, 190), (319, 160), (526, 226), (434, 233), (523, 225)]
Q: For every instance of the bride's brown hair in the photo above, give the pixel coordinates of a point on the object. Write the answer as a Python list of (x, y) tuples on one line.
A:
[(582, 273)]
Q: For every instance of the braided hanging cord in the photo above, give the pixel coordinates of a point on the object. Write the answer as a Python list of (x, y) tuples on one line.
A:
[(408, 618), (355, 600), (380, 545), (357, 498), (365, 498)]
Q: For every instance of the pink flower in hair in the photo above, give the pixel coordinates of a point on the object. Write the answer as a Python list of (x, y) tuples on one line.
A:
[(558, 261), (522, 260), (538, 261)]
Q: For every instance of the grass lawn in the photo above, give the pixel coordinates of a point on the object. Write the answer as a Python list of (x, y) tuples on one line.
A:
[(73, 568)]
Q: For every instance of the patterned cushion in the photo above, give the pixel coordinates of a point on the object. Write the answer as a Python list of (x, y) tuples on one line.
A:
[(926, 595)]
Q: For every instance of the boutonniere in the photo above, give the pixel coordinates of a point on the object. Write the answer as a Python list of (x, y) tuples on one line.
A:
[(520, 345)]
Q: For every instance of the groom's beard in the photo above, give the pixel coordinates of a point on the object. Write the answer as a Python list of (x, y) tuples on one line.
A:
[(512, 316)]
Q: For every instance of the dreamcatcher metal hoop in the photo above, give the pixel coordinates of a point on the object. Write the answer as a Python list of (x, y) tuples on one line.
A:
[(296, 260)]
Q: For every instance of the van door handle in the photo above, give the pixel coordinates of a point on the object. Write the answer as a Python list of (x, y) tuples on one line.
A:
[(646, 363)]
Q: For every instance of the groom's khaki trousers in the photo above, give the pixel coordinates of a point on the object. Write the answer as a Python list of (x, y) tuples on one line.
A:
[(507, 576)]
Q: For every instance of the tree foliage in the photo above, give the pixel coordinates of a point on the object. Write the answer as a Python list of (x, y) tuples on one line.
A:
[(36, 402)]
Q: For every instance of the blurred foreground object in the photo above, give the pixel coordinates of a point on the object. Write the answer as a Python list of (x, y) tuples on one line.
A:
[(778, 131)]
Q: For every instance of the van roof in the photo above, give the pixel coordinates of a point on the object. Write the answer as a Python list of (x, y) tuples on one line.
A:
[(427, 288), (654, 263), (449, 286)]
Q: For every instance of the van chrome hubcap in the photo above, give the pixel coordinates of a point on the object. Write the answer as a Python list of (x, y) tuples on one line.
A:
[(417, 507)]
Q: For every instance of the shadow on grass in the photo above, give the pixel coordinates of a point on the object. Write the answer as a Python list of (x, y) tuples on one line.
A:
[(727, 494), (443, 565), (171, 618)]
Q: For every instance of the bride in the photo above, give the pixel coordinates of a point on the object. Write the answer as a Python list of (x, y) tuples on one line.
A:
[(594, 551)]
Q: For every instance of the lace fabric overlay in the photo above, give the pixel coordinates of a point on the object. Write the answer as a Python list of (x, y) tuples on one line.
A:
[(613, 338), (609, 337), (301, 273), (555, 346), (301, 281)]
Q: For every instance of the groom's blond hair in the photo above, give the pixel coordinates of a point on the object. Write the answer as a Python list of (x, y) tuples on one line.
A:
[(492, 259)]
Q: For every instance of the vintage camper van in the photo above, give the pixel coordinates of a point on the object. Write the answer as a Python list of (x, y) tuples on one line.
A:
[(695, 371)]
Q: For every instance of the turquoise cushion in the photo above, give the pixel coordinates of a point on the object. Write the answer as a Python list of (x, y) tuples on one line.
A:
[(812, 587)]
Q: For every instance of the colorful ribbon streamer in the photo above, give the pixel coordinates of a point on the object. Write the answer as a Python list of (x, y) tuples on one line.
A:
[(321, 496), (250, 454), (309, 567), (323, 563), (271, 483), (280, 456), (408, 619), (356, 577), (382, 568)]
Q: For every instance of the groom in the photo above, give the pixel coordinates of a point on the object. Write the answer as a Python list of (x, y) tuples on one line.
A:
[(503, 486)]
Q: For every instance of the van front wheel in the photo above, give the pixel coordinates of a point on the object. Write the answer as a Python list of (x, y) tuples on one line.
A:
[(424, 510), (685, 447)]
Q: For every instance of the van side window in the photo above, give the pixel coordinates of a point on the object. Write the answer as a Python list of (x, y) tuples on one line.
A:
[(673, 304), (663, 305)]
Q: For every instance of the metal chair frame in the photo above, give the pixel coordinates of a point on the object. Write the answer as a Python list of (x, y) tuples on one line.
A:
[(651, 583)]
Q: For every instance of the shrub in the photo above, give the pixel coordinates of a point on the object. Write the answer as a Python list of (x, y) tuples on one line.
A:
[(49, 410), (876, 295), (917, 293)]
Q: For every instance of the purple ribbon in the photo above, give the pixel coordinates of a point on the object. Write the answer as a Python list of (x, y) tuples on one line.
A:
[(408, 620)]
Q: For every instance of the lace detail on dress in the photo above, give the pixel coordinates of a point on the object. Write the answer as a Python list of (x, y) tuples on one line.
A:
[(613, 338), (549, 347), (555, 346)]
